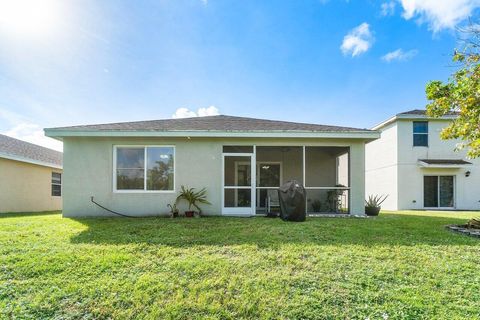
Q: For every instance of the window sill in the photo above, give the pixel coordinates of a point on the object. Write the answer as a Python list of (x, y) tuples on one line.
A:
[(143, 191)]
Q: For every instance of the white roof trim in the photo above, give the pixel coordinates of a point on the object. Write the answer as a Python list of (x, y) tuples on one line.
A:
[(59, 134), (410, 117), (28, 160), (442, 166)]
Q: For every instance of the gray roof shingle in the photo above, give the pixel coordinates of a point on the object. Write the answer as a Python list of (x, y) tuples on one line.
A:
[(212, 123), (445, 161), (29, 151), (422, 112)]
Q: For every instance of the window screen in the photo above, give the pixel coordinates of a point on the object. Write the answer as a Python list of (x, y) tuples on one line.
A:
[(56, 184)]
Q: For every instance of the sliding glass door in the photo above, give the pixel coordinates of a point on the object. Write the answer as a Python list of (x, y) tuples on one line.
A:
[(438, 191), (430, 191)]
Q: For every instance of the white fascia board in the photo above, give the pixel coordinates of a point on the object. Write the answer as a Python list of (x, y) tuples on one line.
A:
[(27, 160), (384, 123), (411, 117), (54, 133)]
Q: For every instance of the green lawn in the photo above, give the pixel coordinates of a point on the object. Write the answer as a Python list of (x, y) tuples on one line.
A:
[(401, 265)]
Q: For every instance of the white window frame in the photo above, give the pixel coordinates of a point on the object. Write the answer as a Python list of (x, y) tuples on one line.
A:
[(420, 133), (438, 191), (114, 185), (56, 184)]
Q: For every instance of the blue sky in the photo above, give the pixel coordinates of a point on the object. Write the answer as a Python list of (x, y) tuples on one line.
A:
[(350, 63)]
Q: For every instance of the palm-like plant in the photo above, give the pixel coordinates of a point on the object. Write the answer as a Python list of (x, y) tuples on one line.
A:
[(194, 198), (374, 201)]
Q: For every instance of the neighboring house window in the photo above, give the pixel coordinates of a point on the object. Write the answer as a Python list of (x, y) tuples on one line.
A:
[(56, 184), (148, 168), (420, 133)]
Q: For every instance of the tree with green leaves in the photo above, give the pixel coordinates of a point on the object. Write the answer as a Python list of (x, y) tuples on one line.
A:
[(461, 95)]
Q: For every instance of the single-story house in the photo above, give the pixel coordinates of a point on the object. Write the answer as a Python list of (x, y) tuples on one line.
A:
[(137, 168), (30, 177)]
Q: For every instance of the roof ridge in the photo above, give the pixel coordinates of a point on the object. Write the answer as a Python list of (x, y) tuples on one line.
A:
[(196, 120), (412, 111), (135, 121), (423, 112)]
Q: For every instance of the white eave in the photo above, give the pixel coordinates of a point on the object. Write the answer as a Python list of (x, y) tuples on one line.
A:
[(367, 135), (411, 117), (28, 160)]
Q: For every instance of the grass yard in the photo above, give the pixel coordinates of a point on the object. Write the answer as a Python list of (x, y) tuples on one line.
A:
[(401, 265)]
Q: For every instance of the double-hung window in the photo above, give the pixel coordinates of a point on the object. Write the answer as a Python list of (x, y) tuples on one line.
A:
[(56, 184), (144, 168), (420, 133)]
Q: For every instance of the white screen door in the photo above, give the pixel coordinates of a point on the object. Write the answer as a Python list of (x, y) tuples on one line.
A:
[(238, 184)]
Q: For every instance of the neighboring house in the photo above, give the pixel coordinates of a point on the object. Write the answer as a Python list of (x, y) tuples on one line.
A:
[(30, 177), (137, 168), (419, 170)]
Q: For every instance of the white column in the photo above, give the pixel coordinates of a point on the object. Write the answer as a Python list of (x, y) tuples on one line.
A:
[(357, 178), (303, 170), (303, 178), (254, 180)]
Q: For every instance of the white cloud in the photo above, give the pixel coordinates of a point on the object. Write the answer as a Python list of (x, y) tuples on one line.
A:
[(388, 8), (358, 40), (399, 55), (183, 113), (439, 14), (210, 111), (201, 112), (33, 133), (22, 128)]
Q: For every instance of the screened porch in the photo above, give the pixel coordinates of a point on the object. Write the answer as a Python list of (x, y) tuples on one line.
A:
[(323, 171)]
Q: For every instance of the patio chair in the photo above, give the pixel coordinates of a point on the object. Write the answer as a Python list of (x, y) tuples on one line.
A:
[(272, 200)]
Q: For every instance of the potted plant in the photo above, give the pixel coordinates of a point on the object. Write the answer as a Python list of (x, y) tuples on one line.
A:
[(316, 205), (194, 198), (334, 201), (373, 203), (173, 210)]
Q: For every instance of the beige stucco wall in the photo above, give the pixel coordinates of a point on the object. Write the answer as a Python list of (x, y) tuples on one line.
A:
[(88, 171), (26, 187), (342, 169)]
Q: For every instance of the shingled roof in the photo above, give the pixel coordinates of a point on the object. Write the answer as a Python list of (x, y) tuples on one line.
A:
[(212, 123), (12, 148), (422, 112), (413, 114), (445, 161)]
